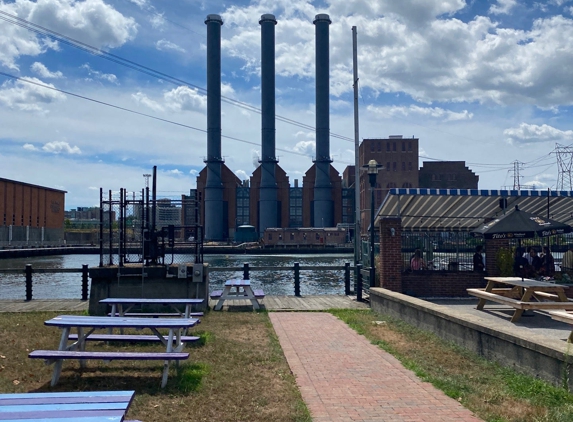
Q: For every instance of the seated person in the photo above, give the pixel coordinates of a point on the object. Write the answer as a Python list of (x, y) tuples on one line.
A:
[(547, 263), (478, 260), (535, 263), (417, 262), (521, 267)]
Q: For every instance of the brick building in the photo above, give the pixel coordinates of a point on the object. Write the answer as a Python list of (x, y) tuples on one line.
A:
[(447, 175), (30, 212)]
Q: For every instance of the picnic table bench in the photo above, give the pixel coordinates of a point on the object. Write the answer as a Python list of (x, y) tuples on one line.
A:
[(120, 306), (523, 295), (76, 350), (95, 406), (237, 290), (566, 317)]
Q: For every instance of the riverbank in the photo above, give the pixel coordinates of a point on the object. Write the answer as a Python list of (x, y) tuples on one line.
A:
[(25, 252)]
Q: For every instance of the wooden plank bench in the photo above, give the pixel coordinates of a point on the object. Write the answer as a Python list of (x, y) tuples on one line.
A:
[(157, 314), (216, 294), (129, 337), (83, 406), (57, 356)]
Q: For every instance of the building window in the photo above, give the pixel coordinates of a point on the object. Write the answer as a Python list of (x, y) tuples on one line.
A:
[(388, 147), (371, 146), (394, 146), (403, 166), (292, 236), (270, 236), (379, 146), (394, 166), (409, 146), (317, 236), (410, 166), (388, 166), (403, 146), (406, 185)]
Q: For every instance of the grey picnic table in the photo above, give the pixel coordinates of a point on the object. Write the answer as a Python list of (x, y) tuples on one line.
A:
[(237, 289), (94, 406), (87, 325), (122, 305)]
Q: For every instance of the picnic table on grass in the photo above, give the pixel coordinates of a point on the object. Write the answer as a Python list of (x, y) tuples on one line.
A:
[(237, 290), (523, 294), (95, 406), (120, 306), (86, 326)]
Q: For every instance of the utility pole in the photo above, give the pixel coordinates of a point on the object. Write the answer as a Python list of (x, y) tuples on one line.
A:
[(564, 154), (357, 246)]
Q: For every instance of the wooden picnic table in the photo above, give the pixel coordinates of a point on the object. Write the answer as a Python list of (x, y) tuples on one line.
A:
[(524, 294), (86, 325), (237, 290), (566, 317), (120, 306), (82, 406)]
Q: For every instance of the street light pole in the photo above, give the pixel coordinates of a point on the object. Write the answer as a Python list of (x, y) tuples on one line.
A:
[(372, 167)]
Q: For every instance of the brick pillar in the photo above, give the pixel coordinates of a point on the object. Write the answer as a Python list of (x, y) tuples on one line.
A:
[(491, 248), (390, 260)]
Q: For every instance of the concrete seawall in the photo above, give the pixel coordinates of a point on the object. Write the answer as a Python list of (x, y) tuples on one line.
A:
[(524, 347)]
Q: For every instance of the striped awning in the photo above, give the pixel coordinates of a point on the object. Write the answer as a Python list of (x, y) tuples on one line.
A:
[(466, 209)]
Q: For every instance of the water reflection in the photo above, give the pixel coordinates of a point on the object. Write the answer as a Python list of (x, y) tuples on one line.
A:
[(68, 285)]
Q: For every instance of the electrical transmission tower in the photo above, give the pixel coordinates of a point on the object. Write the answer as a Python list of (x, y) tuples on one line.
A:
[(147, 176), (517, 166), (564, 154)]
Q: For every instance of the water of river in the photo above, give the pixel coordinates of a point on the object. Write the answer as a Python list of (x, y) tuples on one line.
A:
[(68, 285)]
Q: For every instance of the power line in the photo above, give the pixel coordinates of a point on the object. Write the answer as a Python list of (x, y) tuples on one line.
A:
[(39, 29), (144, 114)]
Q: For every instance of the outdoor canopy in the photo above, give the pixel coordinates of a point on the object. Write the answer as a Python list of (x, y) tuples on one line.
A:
[(521, 225)]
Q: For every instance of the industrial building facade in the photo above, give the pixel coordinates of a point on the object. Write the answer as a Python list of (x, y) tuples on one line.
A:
[(31, 214)]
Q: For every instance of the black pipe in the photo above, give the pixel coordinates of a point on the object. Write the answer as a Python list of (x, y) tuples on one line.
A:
[(296, 279), (84, 282), (28, 272), (101, 227)]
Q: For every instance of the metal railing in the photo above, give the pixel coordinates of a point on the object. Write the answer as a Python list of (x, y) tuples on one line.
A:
[(28, 272)]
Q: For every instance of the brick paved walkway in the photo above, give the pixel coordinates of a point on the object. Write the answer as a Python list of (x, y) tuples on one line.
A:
[(343, 377)]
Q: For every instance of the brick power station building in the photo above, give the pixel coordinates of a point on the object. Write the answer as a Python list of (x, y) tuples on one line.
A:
[(31, 214)]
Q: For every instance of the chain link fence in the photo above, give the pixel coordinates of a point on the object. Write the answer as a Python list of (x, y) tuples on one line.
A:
[(31, 236)]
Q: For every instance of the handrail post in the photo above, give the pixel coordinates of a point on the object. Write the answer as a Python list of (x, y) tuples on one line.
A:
[(28, 272), (84, 282), (359, 283), (297, 279), (246, 275), (347, 278)]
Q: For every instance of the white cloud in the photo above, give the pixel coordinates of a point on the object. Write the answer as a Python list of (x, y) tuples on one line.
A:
[(526, 134), (143, 99), (28, 97), (193, 172), (433, 112), (242, 175), (502, 7), (185, 98), (157, 21), (163, 45), (143, 4), (175, 171), (90, 21), (30, 147), (57, 147), (43, 71), (305, 147), (110, 77)]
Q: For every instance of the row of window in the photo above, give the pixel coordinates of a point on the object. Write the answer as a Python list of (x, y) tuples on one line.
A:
[(22, 220), (390, 146), (394, 166)]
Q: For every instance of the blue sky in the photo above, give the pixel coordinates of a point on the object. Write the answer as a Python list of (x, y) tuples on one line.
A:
[(486, 82)]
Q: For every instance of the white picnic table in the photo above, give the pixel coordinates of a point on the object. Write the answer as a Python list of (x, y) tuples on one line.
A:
[(83, 406), (87, 325), (122, 305), (238, 289)]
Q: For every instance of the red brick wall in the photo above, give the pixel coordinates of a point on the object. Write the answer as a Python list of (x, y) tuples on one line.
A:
[(389, 273), (491, 248), (440, 283), (22, 204)]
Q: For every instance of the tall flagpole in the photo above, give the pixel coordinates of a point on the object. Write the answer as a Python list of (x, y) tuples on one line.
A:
[(357, 246)]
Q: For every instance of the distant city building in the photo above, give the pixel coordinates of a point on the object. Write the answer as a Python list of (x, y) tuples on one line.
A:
[(447, 175), (167, 213)]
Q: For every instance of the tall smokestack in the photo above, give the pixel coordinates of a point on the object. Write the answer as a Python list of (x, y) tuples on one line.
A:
[(214, 224), (268, 205), (323, 204)]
